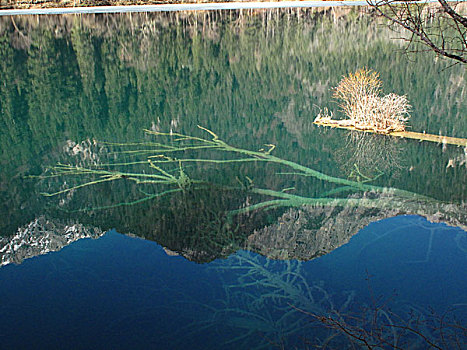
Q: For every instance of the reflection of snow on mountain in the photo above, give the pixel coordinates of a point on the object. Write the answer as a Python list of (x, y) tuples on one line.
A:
[(40, 237)]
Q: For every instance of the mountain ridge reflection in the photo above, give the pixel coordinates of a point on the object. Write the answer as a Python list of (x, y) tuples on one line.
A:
[(203, 210)]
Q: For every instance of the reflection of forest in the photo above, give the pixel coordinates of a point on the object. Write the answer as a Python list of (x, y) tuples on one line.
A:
[(254, 77)]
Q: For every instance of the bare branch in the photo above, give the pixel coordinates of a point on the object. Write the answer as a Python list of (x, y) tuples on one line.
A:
[(442, 29), (455, 16)]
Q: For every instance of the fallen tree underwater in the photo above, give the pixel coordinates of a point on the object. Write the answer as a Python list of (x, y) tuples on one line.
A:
[(157, 154)]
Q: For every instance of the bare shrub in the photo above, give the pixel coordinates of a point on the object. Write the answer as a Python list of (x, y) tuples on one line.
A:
[(361, 101)]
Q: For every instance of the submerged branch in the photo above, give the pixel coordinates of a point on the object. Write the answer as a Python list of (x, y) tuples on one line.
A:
[(181, 181)]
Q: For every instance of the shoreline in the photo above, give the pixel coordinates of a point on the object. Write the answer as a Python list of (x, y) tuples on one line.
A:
[(247, 5)]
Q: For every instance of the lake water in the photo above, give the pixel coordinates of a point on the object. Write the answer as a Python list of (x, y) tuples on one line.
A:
[(163, 186)]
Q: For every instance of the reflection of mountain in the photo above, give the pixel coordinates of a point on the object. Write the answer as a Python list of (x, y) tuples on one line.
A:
[(42, 236), (195, 226), (311, 231)]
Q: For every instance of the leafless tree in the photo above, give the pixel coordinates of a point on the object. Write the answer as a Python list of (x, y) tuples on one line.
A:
[(440, 26)]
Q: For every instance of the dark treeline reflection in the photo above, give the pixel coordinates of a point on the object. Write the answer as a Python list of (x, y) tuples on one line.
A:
[(252, 77)]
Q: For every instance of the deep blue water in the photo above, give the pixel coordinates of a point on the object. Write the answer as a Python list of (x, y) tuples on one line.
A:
[(118, 292)]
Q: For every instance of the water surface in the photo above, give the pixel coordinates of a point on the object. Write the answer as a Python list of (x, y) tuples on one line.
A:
[(301, 222)]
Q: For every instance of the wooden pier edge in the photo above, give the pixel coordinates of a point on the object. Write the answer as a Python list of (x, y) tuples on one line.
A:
[(405, 134)]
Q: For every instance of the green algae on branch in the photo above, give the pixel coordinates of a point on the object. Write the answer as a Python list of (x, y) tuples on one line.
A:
[(161, 153), (263, 156)]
